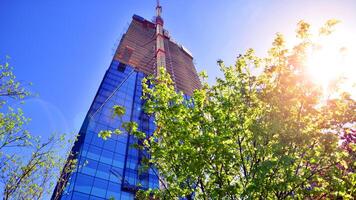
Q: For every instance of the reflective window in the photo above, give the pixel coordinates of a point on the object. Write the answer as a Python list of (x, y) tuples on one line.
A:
[(99, 187), (118, 160), (80, 196), (109, 144), (102, 172), (127, 196), (94, 152), (89, 167), (113, 191), (106, 157), (83, 183)]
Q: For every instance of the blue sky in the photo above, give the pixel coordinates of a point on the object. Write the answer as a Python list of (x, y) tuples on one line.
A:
[(64, 47)]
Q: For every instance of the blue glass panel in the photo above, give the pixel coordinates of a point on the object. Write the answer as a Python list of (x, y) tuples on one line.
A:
[(89, 167), (116, 175), (132, 163), (99, 187), (110, 145), (103, 171), (120, 147), (95, 198), (127, 196), (98, 141), (88, 137), (83, 183), (80, 196), (113, 191), (106, 157), (94, 152), (118, 161), (71, 184), (66, 196)]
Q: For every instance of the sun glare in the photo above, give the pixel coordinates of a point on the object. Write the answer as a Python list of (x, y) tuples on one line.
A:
[(334, 58)]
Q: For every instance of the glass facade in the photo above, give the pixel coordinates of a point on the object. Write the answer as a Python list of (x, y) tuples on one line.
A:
[(111, 168)]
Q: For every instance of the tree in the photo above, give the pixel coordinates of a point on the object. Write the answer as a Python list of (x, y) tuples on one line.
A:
[(267, 135), (28, 165)]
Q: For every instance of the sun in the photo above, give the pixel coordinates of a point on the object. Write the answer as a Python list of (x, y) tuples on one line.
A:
[(333, 58)]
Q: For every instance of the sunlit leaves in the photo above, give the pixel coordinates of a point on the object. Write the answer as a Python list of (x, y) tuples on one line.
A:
[(328, 27), (262, 131), (105, 134), (119, 110), (303, 30), (29, 166)]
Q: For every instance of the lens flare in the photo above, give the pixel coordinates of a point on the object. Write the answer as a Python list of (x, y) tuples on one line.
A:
[(331, 59)]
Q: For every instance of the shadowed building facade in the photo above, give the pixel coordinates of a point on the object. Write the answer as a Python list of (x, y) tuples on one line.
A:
[(110, 168)]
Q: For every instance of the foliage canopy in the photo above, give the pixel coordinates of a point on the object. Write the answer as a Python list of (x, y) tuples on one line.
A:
[(269, 135)]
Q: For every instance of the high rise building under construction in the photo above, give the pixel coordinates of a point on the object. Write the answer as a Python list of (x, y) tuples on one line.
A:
[(110, 168)]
